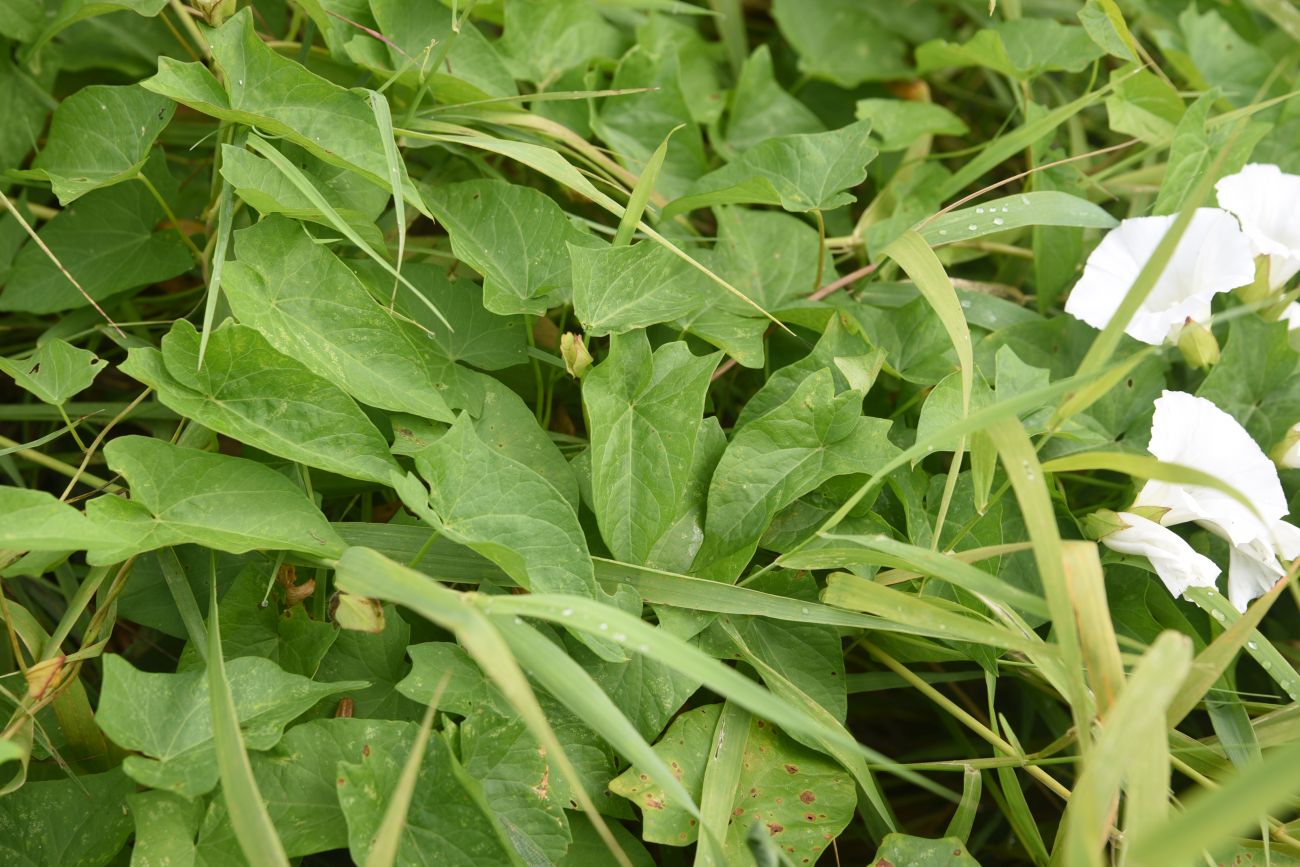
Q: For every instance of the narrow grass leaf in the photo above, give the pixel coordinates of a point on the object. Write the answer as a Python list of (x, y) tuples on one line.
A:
[(248, 817)]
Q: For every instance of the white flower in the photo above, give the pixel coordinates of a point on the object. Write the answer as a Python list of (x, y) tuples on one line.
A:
[(1213, 256), (1193, 432), (1287, 452), (1175, 562), (1267, 202)]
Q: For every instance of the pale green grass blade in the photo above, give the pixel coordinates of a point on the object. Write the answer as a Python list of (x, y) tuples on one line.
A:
[(1213, 661), (225, 216), (683, 591), (183, 596), (1086, 585), (1045, 208), (369, 573), (393, 162), (641, 193), (389, 838), (880, 818), (924, 616), (1020, 461), (884, 551), (914, 256), (1138, 714), (1259, 647), (722, 776), (1212, 817), (963, 820), (1020, 138), (308, 189), (604, 621), (248, 817), (1146, 467), (578, 691)]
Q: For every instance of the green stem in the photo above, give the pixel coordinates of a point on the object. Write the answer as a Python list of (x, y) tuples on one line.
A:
[(176, 224), (71, 428)]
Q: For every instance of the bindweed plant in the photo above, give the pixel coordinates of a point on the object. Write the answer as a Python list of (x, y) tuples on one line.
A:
[(573, 432)]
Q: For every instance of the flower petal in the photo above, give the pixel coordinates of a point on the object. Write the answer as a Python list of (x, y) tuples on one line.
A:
[(1193, 432), (1213, 256), (1267, 202), (1252, 571), (1177, 565)]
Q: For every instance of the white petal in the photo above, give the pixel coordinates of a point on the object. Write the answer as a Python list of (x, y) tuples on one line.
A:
[(1213, 256), (1252, 571), (1267, 202), (1193, 432), (1178, 566), (1286, 540), (1292, 315)]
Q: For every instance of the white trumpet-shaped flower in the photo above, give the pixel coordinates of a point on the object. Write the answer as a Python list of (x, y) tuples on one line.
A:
[(1212, 256), (1175, 562), (1193, 432), (1267, 202)]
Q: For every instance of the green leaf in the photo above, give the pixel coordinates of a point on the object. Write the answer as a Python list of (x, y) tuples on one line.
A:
[(168, 717), (644, 410), (796, 795), (503, 510), (298, 782), (923, 852), (80, 821), (263, 186), (472, 70), (846, 42), (448, 821), (165, 826), (1048, 208), (617, 289), (514, 236), (101, 135), (107, 241), (1255, 381), (1195, 147), (477, 336), (805, 172), (634, 125), (24, 96), (777, 458), (36, 521), (311, 307), (897, 123), (501, 755), (544, 38), (248, 817), (55, 372), (289, 638), (378, 659), (248, 390), (72, 11), (1020, 48), (181, 495), (761, 109), (279, 97), (1104, 22), (1144, 105)]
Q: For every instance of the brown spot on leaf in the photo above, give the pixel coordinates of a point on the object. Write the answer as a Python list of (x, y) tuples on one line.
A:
[(810, 817), (792, 769), (807, 797), (653, 803), (775, 828)]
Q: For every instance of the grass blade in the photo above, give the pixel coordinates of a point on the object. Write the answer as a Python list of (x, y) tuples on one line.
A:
[(389, 837), (641, 193), (248, 817)]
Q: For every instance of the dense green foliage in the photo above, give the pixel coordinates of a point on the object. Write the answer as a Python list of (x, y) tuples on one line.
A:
[(648, 432)]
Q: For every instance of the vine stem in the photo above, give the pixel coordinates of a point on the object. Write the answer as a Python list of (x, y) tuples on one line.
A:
[(195, 252)]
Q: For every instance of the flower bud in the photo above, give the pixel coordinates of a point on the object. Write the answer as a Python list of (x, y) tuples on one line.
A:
[(215, 12), (577, 360), (1286, 454), (357, 612), (1101, 524), (1197, 344)]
